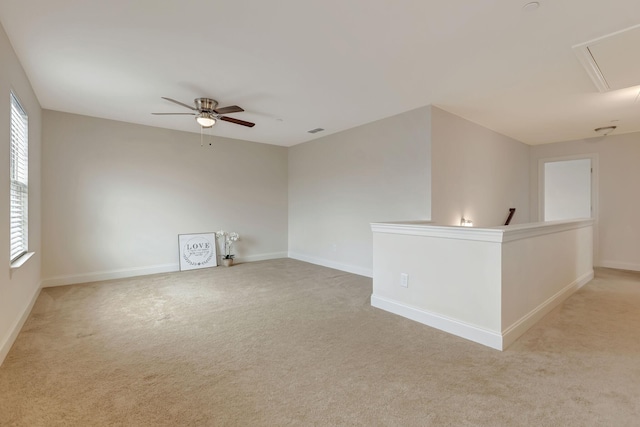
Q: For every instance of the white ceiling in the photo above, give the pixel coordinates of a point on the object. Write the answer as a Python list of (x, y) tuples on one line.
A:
[(295, 65)]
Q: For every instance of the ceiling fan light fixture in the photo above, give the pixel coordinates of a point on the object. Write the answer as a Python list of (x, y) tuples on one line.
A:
[(206, 120)]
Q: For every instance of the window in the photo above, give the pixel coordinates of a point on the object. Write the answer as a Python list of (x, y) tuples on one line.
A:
[(19, 179)]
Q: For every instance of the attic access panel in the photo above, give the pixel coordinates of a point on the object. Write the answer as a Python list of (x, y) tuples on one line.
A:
[(612, 61)]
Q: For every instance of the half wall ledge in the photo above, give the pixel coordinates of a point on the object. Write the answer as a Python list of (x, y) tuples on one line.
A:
[(488, 285)]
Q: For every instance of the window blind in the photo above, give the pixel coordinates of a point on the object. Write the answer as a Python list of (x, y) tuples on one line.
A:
[(19, 171)]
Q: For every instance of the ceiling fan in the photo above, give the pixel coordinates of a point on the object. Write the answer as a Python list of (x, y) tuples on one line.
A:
[(207, 112)]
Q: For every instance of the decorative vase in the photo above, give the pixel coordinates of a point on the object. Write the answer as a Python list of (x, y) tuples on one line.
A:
[(227, 262)]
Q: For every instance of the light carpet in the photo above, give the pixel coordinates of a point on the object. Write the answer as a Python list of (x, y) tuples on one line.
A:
[(283, 342)]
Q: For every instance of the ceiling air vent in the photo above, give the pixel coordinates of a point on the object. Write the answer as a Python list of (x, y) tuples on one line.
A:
[(612, 61), (316, 130)]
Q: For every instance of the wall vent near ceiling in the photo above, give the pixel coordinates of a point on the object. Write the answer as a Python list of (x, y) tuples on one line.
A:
[(316, 130), (612, 61)]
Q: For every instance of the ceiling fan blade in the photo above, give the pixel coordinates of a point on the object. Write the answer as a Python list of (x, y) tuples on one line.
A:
[(228, 110), (238, 122), (174, 114), (179, 103)]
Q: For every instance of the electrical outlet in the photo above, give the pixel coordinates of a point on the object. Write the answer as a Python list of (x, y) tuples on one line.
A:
[(334, 248), (404, 280)]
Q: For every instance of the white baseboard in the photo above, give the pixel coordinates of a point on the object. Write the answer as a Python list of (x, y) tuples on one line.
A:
[(98, 276), (473, 333), (514, 331), (620, 265), (263, 257), (15, 330), (332, 264)]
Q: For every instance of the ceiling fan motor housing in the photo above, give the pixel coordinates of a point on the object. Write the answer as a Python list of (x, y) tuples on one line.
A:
[(205, 104)]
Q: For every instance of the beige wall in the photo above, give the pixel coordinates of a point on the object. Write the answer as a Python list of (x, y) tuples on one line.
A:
[(341, 183), (477, 173), (618, 206), (116, 196), (18, 287)]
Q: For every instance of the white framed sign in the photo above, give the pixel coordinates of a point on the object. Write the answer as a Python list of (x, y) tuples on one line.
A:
[(197, 250)]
